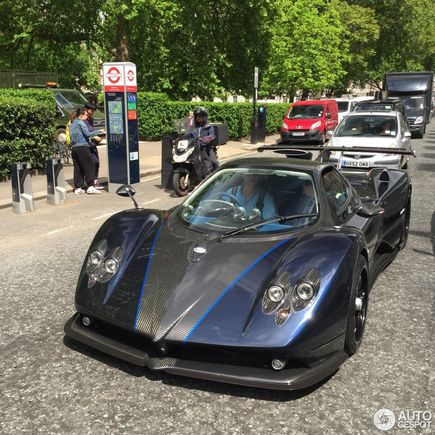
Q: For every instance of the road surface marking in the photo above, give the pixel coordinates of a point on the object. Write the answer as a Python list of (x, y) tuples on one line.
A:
[(150, 202), (104, 215), (59, 230)]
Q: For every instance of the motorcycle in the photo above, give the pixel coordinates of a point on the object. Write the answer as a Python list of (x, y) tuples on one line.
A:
[(190, 163)]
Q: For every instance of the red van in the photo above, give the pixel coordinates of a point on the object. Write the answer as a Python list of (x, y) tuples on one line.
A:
[(309, 120)]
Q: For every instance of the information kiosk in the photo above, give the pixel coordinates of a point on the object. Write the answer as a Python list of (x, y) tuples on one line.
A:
[(120, 104)]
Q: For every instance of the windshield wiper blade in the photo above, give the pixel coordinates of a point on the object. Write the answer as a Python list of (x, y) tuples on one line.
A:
[(265, 222)]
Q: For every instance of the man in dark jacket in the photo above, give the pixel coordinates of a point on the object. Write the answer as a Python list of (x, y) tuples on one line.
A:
[(205, 132)]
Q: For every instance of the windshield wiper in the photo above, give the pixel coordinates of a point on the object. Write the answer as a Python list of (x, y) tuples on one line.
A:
[(265, 222)]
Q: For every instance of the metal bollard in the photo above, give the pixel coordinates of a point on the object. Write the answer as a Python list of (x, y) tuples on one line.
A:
[(56, 186), (166, 172), (22, 194)]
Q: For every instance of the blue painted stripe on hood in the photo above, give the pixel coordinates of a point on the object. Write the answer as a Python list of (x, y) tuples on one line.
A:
[(230, 286), (146, 274)]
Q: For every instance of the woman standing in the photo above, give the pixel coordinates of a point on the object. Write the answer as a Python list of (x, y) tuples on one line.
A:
[(84, 166)]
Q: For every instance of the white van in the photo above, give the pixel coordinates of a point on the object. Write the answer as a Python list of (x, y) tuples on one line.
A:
[(345, 105)]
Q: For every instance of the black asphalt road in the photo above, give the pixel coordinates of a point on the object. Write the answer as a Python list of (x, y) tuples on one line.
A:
[(51, 386)]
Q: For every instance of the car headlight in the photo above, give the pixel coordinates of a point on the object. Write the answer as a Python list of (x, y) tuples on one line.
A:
[(96, 257), (419, 120), (306, 290), (316, 125), (275, 293), (111, 266), (284, 126), (102, 263)]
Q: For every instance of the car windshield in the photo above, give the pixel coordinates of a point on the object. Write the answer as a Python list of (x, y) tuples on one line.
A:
[(70, 99), (306, 111), (374, 107), (343, 106), (367, 126), (233, 198), (414, 104)]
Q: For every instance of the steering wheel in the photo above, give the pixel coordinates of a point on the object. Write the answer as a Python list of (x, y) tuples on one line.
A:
[(215, 207), (234, 199)]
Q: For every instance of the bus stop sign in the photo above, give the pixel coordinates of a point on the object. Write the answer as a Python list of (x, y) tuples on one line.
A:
[(120, 103)]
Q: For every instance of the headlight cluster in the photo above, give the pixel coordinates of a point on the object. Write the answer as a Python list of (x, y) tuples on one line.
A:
[(316, 125), (282, 299), (102, 263)]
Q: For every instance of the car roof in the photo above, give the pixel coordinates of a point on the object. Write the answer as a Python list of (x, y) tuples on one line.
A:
[(373, 113), (307, 102), (277, 162)]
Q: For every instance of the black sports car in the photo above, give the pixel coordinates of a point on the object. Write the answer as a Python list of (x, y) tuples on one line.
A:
[(261, 277)]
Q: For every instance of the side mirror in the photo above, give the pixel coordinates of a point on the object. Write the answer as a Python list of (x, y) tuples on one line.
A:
[(328, 115), (407, 134), (127, 190), (370, 210)]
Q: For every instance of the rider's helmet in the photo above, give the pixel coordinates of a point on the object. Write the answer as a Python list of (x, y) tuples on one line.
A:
[(200, 111)]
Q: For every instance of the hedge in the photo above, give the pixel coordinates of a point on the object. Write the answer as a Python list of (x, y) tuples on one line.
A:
[(26, 128), (27, 122), (157, 114)]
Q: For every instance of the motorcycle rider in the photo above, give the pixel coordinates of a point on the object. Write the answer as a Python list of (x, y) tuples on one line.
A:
[(202, 130)]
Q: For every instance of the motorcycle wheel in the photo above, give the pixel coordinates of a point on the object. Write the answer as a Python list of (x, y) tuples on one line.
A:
[(179, 184)]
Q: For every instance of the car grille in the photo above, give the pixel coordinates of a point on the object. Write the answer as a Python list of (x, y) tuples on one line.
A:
[(359, 156)]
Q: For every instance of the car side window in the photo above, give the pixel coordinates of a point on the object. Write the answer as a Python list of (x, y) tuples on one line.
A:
[(337, 192)]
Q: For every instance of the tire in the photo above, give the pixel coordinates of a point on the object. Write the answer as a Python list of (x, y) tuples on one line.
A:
[(357, 310), (406, 222), (178, 183), (322, 139)]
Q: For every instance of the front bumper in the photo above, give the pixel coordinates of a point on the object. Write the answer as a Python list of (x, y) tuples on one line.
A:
[(286, 379), (301, 135)]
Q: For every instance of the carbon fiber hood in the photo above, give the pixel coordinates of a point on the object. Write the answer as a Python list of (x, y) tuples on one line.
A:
[(172, 278)]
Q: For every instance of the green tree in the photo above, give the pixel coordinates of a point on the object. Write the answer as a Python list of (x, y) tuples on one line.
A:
[(407, 36), (361, 33), (306, 50)]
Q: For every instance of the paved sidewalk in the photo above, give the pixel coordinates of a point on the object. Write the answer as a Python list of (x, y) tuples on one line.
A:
[(150, 164)]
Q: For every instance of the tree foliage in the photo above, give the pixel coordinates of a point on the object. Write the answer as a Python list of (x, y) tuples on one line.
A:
[(186, 49)]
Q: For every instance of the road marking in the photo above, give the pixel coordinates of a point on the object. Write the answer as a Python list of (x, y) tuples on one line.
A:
[(151, 179), (150, 202), (104, 215), (59, 230)]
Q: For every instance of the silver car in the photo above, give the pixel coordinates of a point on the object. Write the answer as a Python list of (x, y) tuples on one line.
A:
[(371, 130)]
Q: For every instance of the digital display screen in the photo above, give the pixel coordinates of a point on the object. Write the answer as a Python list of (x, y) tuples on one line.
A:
[(116, 117)]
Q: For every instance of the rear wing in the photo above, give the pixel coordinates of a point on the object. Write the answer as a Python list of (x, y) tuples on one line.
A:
[(304, 152)]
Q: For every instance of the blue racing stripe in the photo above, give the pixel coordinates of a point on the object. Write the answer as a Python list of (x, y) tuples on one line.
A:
[(229, 287), (146, 274)]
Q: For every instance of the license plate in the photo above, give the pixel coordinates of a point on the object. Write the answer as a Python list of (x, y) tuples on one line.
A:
[(354, 164), (298, 133)]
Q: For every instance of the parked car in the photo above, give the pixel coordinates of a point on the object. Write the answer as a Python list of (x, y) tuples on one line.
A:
[(67, 101), (212, 290), (371, 130), (346, 105), (309, 121)]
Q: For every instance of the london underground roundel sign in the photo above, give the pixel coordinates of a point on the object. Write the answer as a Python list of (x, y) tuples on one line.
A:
[(113, 77)]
